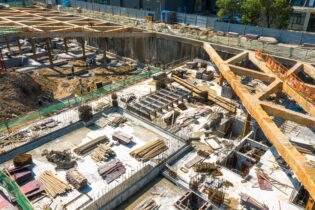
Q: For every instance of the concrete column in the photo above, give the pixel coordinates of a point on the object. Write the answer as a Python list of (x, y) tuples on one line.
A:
[(8, 44), (33, 46), (49, 51), (19, 46), (247, 126), (306, 20), (66, 44)]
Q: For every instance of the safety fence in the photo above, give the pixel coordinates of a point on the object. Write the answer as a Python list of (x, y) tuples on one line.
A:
[(76, 101), (5, 30), (11, 186), (284, 36)]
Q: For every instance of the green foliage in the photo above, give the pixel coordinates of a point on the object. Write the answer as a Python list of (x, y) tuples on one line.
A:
[(251, 12), (268, 13), (228, 7)]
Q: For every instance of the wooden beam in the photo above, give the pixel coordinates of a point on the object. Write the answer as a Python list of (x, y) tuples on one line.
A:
[(286, 114), (8, 44), (297, 161), (247, 125), (237, 58), (252, 73), (274, 87)]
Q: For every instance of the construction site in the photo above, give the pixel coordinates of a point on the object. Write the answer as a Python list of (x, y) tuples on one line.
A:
[(100, 111)]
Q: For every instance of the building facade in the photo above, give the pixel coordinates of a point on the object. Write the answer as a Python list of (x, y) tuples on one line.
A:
[(185, 6), (303, 18)]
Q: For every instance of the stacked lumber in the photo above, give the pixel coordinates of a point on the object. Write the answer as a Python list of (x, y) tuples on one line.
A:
[(117, 121), (85, 148), (76, 178), (112, 170), (148, 204), (150, 150), (102, 153), (53, 185)]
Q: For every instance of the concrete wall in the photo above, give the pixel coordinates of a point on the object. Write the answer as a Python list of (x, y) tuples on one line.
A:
[(152, 50), (131, 4)]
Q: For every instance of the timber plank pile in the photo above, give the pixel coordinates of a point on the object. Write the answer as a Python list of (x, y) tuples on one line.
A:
[(149, 150), (102, 153), (112, 170), (53, 185), (86, 148)]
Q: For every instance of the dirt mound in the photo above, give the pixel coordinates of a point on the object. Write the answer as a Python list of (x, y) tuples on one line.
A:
[(19, 93)]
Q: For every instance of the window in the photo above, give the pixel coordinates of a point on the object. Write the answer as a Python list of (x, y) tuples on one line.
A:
[(298, 19)]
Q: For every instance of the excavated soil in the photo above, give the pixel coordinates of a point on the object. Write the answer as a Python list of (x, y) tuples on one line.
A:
[(19, 93)]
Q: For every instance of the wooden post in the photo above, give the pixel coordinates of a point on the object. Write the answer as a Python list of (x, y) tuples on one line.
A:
[(8, 44), (33, 46), (105, 49), (49, 51), (247, 126), (19, 46), (66, 44), (83, 48)]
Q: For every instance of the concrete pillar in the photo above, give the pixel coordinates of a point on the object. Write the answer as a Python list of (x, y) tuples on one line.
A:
[(8, 44), (306, 20), (247, 126), (19, 46), (66, 44), (32, 41), (49, 51)]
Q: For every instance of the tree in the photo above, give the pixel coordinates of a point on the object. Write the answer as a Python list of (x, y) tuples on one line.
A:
[(267, 12), (228, 8), (251, 12), (282, 12)]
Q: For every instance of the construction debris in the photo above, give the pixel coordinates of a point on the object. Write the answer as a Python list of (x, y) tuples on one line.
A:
[(252, 203), (150, 150), (112, 170), (204, 167), (102, 153), (52, 184), (148, 204), (76, 178), (22, 160), (63, 159), (89, 146)]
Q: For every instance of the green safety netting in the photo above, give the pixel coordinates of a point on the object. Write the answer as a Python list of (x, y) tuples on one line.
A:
[(5, 30), (77, 101), (12, 187)]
